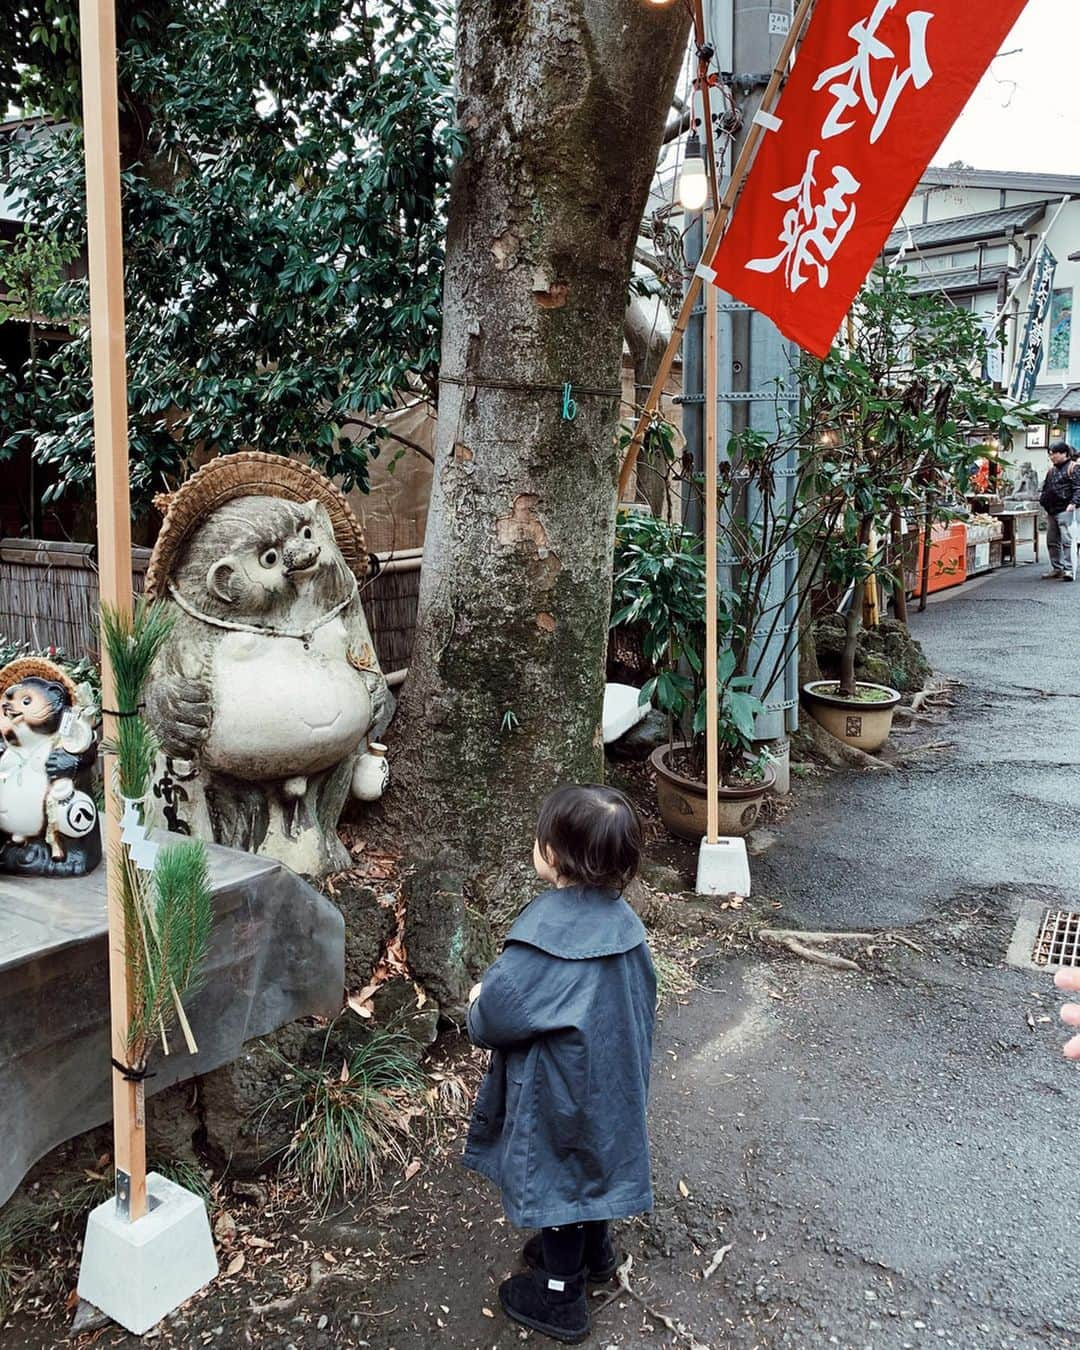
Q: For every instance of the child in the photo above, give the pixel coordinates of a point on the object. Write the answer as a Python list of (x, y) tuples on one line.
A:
[(568, 1011)]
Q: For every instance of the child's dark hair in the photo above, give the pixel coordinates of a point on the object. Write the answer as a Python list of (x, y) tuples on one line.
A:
[(594, 834)]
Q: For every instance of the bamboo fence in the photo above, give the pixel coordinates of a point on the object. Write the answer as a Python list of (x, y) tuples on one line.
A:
[(49, 598)]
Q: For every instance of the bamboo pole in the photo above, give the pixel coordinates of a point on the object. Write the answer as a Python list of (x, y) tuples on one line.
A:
[(102, 148), (712, 749), (727, 202)]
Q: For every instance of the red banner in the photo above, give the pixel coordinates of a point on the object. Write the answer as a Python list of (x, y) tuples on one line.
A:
[(874, 90)]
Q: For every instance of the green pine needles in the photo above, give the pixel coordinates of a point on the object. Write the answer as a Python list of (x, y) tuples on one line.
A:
[(171, 910), (168, 911), (133, 642)]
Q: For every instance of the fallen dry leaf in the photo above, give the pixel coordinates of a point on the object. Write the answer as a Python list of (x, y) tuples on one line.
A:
[(259, 1242), (717, 1261), (412, 1169), (236, 1265), (330, 1257), (684, 1190), (360, 1008), (487, 1312)]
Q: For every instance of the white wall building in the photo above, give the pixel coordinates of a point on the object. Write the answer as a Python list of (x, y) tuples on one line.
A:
[(975, 235)]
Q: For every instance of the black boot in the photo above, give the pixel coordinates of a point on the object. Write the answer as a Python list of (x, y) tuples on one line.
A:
[(601, 1255), (554, 1305)]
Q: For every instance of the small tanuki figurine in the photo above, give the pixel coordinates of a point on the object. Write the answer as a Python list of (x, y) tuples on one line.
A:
[(267, 698), (48, 821)]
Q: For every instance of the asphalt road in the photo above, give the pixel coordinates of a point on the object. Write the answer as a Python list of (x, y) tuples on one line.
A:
[(894, 1155)]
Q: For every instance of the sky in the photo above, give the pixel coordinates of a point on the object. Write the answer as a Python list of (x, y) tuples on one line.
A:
[(1025, 113)]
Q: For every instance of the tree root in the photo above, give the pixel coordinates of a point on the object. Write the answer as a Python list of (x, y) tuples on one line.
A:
[(793, 945), (676, 1328), (838, 754), (778, 934), (805, 944), (937, 695)]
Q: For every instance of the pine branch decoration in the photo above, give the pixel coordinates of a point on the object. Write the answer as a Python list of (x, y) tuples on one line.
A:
[(168, 912)]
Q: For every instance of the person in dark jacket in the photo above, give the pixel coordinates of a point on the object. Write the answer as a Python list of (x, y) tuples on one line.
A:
[(1060, 499), (567, 1011)]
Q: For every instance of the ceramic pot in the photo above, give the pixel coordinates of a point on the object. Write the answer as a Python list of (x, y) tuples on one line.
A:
[(684, 805), (372, 774), (863, 725)]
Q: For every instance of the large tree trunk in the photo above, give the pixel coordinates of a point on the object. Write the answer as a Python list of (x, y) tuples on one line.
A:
[(564, 105)]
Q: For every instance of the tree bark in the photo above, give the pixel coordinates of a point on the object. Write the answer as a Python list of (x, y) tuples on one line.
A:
[(564, 105), (854, 623), (900, 582)]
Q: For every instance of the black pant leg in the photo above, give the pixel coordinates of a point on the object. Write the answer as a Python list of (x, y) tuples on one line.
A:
[(564, 1249), (599, 1251)]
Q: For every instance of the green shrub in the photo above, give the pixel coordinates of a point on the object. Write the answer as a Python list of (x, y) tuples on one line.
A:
[(350, 1119)]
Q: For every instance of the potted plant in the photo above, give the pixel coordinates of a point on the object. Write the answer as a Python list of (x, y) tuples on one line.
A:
[(659, 589), (745, 775), (856, 712), (893, 416)]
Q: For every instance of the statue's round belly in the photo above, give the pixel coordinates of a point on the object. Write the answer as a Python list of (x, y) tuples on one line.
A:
[(22, 799), (281, 711)]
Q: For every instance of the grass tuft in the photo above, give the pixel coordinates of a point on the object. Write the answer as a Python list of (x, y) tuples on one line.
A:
[(351, 1119)]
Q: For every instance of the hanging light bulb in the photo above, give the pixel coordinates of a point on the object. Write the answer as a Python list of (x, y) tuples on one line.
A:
[(693, 182)]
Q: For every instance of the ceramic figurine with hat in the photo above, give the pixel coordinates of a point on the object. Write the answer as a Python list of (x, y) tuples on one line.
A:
[(48, 820), (267, 699)]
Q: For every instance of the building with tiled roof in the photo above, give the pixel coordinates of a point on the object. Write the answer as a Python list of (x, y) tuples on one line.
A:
[(975, 236)]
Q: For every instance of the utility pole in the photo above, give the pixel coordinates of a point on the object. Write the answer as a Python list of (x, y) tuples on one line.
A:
[(756, 379)]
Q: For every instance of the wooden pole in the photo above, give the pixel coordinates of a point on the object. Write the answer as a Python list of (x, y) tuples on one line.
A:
[(102, 146), (727, 202), (712, 750)]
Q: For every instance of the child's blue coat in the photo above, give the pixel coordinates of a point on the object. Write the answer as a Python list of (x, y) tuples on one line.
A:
[(568, 1009)]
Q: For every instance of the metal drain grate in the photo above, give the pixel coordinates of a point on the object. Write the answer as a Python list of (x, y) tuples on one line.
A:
[(1058, 943)]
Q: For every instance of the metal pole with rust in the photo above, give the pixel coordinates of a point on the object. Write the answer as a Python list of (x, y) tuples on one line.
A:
[(727, 202), (102, 148)]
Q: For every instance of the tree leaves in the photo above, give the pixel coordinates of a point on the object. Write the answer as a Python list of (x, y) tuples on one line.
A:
[(283, 230)]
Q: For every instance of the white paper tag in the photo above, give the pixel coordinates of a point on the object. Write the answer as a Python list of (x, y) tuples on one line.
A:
[(68, 723), (704, 271), (559, 1286), (768, 121)]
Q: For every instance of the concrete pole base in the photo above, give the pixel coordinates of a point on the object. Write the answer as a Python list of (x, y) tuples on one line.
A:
[(723, 868), (138, 1273)]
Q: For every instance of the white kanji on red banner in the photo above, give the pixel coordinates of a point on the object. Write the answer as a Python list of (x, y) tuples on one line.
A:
[(813, 229), (873, 91), (853, 82)]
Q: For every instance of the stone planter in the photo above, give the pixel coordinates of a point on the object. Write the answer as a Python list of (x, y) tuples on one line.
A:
[(683, 804), (863, 725)]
